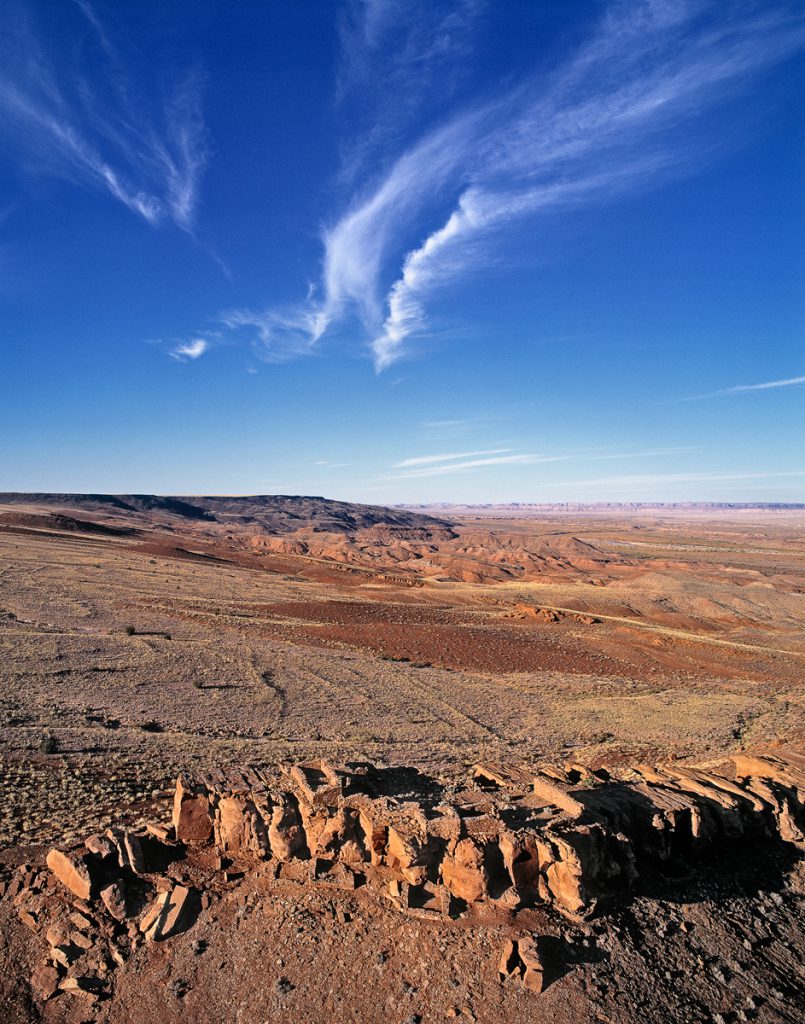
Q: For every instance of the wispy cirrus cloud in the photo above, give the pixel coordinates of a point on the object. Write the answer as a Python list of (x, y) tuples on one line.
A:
[(420, 52), (452, 424), (740, 389), (420, 460), (604, 124), (459, 462), (190, 349), (110, 132), (465, 465)]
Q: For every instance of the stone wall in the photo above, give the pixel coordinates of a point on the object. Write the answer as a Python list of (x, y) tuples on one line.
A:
[(570, 839)]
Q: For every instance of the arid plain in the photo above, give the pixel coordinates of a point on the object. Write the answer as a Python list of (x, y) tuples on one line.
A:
[(141, 637)]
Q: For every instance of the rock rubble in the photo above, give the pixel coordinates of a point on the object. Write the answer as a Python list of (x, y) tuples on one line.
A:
[(570, 839)]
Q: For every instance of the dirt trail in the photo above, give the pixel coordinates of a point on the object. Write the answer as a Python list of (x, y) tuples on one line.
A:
[(679, 633)]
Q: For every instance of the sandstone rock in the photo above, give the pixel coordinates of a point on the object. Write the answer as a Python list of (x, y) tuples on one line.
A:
[(114, 899), (30, 919), (520, 960), (333, 873), (44, 982), (74, 872), (375, 835), (129, 849), (180, 912), (192, 817), (558, 794), (56, 934), (464, 872), (785, 808), (65, 953), (150, 919), (81, 940), (495, 774), (101, 846), (318, 782), (170, 913), (164, 833), (342, 837), (521, 859), (81, 921), (240, 828), (403, 854), (86, 987), (514, 839), (285, 833)]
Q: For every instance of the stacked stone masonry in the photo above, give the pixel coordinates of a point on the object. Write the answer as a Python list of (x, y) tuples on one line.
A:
[(570, 839)]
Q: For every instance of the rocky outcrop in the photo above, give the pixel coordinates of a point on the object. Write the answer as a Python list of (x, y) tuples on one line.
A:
[(569, 839)]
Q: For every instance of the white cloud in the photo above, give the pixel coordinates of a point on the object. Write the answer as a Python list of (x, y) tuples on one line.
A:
[(600, 126), (461, 467), (422, 459), (437, 465), (105, 133), (275, 336), (451, 424), (191, 349), (738, 389), (418, 50)]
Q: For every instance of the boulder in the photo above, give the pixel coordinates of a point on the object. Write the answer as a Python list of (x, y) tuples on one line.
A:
[(285, 833), (170, 913), (192, 816), (44, 982), (78, 873), (520, 961), (114, 899), (240, 828), (464, 871)]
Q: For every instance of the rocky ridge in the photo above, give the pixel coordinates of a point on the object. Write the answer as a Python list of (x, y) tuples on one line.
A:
[(572, 840)]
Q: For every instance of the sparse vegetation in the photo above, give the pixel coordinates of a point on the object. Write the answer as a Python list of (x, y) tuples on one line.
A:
[(48, 744)]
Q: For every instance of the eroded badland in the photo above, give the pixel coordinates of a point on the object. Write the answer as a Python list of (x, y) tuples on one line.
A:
[(501, 764)]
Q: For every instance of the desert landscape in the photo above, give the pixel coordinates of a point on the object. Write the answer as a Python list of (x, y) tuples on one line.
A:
[(402, 512), (507, 675)]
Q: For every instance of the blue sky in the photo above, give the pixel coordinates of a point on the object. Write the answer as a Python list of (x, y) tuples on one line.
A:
[(394, 252)]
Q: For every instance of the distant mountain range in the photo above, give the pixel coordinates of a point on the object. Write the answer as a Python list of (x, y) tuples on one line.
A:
[(582, 506), (275, 513)]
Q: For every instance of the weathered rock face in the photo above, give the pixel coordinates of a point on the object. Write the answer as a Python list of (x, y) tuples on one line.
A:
[(519, 836), (569, 839), (464, 872), (191, 812), (170, 913), (520, 961), (73, 870)]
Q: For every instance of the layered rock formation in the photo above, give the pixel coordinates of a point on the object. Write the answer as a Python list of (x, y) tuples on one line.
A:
[(568, 839)]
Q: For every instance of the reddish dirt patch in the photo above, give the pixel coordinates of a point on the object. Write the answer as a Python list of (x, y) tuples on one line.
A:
[(442, 638)]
